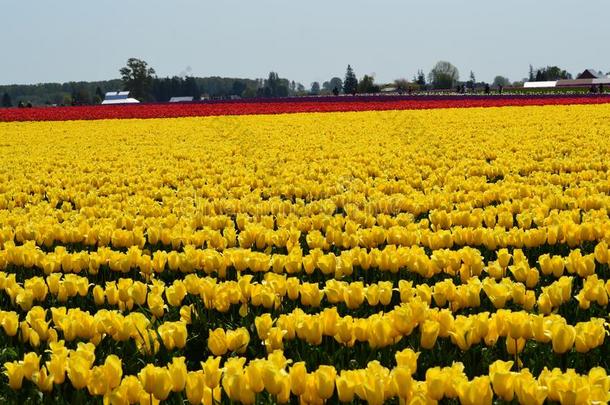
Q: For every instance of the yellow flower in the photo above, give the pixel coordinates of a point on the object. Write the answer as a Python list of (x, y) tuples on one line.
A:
[(195, 387), (14, 372), (325, 381), (217, 342), (212, 371), (407, 358), (263, 324), (78, 371), (156, 381), (237, 340), (429, 333), (178, 373), (476, 392), (563, 337), (298, 378), (502, 379)]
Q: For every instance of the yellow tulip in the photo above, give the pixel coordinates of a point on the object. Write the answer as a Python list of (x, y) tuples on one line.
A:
[(178, 373), (237, 340), (476, 392), (325, 381), (407, 358), (502, 379), (401, 381), (563, 338), (345, 387), (14, 372), (436, 382), (195, 387), (263, 324), (429, 333), (212, 371), (254, 371), (43, 380), (217, 342), (10, 323), (298, 378), (78, 371)]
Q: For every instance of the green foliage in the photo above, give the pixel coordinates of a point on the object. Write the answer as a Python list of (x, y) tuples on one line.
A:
[(274, 86), (333, 85), (443, 75), (367, 85), (138, 78), (350, 84), (55, 93), (551, 73), (6, 100), (501, 81), (420, 78), (315, 89)]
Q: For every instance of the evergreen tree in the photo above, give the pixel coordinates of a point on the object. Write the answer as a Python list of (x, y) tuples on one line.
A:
[(350, 84), (6, 100), (315, 89), (420, 79), (531, 77), (99, 95)]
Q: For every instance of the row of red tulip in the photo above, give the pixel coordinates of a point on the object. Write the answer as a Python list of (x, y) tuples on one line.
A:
[(277, 107)]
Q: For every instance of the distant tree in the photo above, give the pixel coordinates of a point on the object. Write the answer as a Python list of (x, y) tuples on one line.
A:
[(531, 76), (274, 87), (249, 92), (367, 85), (190, 88), (350, 84), (6, 100), (99, 95), (333, 83), (80, 96), (420, 78), (138, 78), (315, 88), (238, 88), (501, 81), (402, 85), (300, 88), (551, 73), (472, 81), (443, 75), (67, 100), (272, 83)]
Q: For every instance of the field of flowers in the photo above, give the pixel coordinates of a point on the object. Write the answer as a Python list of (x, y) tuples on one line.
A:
[(416, 256)]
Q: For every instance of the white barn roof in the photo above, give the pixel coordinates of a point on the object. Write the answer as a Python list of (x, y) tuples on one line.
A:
[(118, 97), (538, 85), (121, 101), (180, 99)]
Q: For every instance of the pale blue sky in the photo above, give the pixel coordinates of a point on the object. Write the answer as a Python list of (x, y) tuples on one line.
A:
[(63, 40)]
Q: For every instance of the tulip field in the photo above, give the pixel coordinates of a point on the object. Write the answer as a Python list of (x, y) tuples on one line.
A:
[(406, 253)]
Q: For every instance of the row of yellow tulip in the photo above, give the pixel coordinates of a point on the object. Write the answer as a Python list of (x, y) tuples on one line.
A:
[(276, 288), (378, 330), (257, 236), (385, 329), (467, 262), (276, 375), (74, 324)]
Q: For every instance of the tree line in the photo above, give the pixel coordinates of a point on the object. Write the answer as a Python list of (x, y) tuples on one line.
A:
[(143, 84)]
